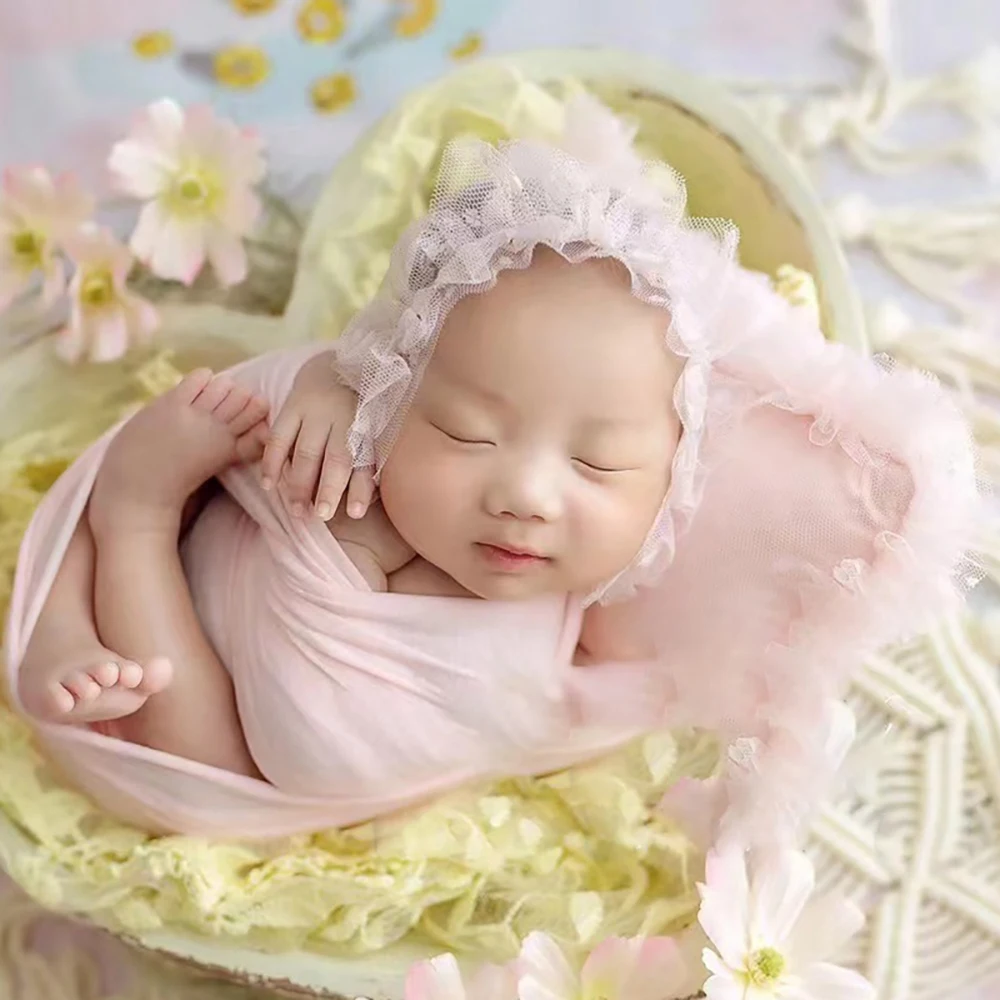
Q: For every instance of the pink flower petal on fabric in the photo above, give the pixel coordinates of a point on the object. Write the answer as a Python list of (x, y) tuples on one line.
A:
[(610, 968), (826, 925), (179, 252), (783, 882), (437, 979), (493, 982), (633, 969), (543, 971), (109, 335), (227, 257), (830, 982)]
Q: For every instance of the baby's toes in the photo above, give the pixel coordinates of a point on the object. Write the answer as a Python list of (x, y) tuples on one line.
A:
[(191, 386), (232, 404), (62, 700), (82, 686), (107, 674), (213, 394), (253, 413), (250, 446), (156, 676), (129, 675)]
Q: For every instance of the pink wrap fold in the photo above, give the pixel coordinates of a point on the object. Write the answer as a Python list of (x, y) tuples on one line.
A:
[(837, 504)]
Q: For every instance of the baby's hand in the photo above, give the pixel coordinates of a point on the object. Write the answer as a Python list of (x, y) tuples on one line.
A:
[(309, 437)]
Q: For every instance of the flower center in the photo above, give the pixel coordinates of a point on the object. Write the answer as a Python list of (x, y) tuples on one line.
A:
[(29, 249), (193, 192), (765, 967), (192, 189), (97, 288)]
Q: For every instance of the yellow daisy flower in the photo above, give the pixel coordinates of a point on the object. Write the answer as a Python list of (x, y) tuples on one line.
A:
[(251, 7), (333, 93), (241, 67), (416, 18), (469, 46), (153, 44), (321, 21)]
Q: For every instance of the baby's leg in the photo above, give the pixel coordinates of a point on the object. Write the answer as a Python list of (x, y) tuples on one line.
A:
[(67, 673), (142, 601)]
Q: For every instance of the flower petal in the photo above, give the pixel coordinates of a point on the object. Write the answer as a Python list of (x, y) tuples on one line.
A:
[(227, 256), (437, 979), (69, 342), (139, 169), (109, 334), (830, 982), (147, 232), (659, 966), (724, 915), (826, 924), (783, 881), (29, 191), (609, 968), (543, 972), (143, 318), (493, 982), (723, 988), (240, 210), (161, 125), (179, 252)]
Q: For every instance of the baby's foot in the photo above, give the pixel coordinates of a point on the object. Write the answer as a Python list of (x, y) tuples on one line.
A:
[(171, 447), (90, 685)]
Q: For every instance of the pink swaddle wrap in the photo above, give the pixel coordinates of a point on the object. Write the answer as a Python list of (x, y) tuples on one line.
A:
[(355, 704), (820, 505)]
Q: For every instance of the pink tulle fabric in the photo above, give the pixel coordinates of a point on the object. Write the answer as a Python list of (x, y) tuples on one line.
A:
[(821, 506)]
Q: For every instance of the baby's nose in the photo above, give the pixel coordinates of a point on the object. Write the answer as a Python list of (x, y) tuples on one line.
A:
[(527, 493)]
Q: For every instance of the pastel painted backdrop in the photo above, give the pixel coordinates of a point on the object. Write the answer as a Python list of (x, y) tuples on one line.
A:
[(312, 73)]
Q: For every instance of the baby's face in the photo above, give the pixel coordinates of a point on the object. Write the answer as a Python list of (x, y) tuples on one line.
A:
[(537, 452)]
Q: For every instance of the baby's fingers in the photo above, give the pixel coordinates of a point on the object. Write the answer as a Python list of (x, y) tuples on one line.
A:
[(303, 477), (333, 481), (360, 492), (279, 446)]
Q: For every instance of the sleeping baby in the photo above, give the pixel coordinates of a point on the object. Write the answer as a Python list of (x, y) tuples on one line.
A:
[(602, 480)]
